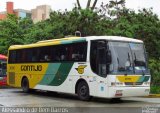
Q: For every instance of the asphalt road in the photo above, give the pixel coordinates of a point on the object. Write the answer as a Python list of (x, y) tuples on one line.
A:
[(43, 101)]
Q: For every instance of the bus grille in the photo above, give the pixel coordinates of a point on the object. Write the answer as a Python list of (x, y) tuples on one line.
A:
[(11, 78), (133, 83)]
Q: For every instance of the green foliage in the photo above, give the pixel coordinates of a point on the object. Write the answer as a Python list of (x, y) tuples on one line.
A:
[(155, 90), (66, 23), (144, 26), (10, 33), (154, 66)]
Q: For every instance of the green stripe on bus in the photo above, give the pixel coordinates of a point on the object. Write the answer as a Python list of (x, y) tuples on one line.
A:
[(50, 73), (80, 40), (146, 78), (62, 74), (73, 41), (143, 79)]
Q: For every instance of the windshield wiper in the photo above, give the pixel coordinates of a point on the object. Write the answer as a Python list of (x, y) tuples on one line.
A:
[(135, 59), (129, 59), (143, 72), (118, 61), (127, 64)]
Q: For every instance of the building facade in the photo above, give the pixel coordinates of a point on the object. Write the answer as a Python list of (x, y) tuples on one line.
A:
[(18, 12), (40, 13), (23, 13)]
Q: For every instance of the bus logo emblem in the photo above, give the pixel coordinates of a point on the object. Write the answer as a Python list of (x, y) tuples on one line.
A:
[(80, 69)]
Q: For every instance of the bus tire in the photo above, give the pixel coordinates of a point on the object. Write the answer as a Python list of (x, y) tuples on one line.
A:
[(83, 91), (25, 85), (115, 100)]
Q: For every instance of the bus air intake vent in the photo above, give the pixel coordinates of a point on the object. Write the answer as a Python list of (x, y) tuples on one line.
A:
[(11, 78), (133, 83)]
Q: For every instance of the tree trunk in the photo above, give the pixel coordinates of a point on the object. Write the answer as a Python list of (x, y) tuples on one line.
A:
[(79, 6), (94, 4), (88, 4)]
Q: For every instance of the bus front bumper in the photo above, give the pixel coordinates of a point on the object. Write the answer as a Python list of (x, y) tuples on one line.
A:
[(117, 92)]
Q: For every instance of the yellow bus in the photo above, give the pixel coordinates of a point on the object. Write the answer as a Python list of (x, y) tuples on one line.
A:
[(100, 66)]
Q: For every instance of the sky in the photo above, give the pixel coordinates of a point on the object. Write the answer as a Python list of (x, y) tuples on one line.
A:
[(69, 4)]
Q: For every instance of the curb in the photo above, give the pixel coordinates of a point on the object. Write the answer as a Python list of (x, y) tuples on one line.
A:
[(157, 95), (153, 96)]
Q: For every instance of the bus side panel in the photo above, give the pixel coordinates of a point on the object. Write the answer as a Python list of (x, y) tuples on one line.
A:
[(71, 71), (34, 73), (57, 78)]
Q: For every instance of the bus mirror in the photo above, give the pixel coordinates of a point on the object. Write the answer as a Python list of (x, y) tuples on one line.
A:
[(78, 33), (109, 58)]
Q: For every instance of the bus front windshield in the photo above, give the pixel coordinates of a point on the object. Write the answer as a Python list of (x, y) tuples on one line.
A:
[(128, 58)]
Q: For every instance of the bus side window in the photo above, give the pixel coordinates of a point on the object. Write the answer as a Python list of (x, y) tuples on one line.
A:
[(63, 53), (56, 56), (70, 51), (79, 52), (12, 56), (34, 55)]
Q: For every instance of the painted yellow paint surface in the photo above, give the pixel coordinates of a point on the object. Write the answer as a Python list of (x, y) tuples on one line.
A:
[(80, 69), (128, 78), (34, 77), (43, 43)]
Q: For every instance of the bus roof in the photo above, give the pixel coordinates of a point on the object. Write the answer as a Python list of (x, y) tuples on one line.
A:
[(114, 38), (74, 40)]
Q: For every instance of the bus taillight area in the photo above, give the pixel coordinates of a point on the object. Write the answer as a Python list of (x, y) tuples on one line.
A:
[(115, 92), (3, 76), (3, 81)]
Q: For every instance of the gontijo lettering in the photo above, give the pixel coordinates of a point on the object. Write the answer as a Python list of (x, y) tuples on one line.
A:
[(31, 68)]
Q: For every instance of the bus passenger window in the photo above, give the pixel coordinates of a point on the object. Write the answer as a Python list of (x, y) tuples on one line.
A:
[(47, 58), (12, 56), (63, 57), (33, 58), (79, 51)]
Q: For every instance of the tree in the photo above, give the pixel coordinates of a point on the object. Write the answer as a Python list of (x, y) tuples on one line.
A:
[(113, 9), (79, 5), (13, 31), (10, 33), (110, 19)]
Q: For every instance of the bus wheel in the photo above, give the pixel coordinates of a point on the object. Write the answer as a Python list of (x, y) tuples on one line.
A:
[(83, 91), (25, 85), (116, 100)]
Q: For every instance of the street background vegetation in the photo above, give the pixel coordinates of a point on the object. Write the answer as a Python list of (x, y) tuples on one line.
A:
[(111, 18)]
